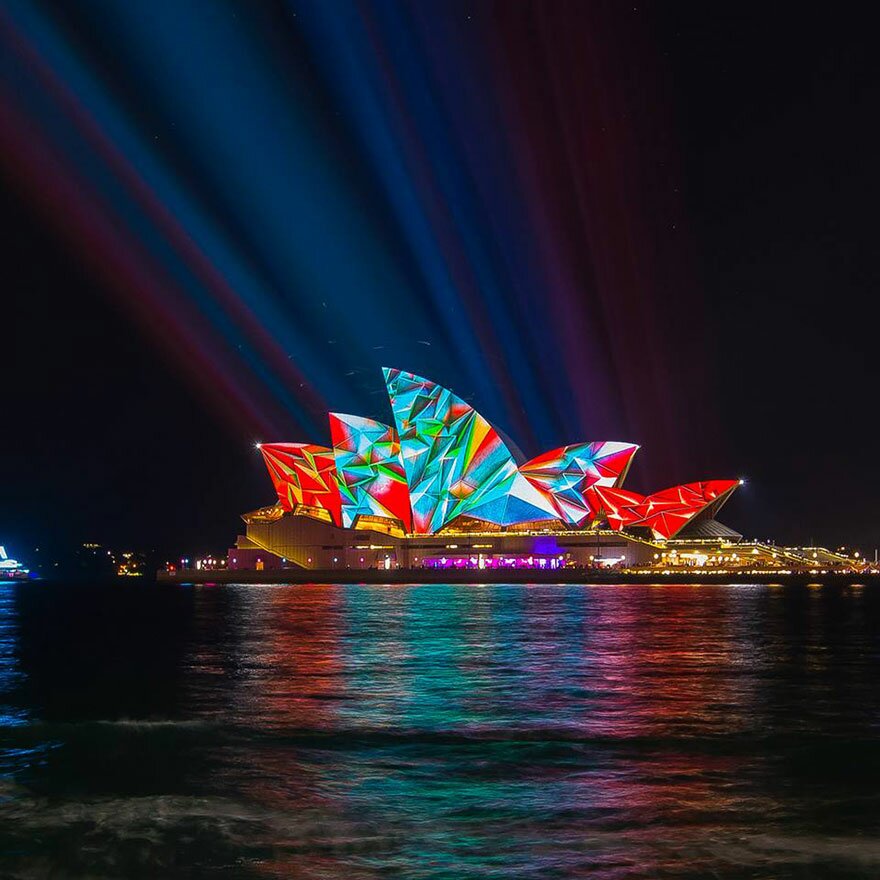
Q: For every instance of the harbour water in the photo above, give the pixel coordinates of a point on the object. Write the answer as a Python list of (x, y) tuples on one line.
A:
[(439, 731)]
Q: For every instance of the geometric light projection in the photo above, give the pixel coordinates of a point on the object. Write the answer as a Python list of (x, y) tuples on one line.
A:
[(369, 470), (619, 507), (444, 460), (455, 461), (564, 474), (666, 512), (303, 474)]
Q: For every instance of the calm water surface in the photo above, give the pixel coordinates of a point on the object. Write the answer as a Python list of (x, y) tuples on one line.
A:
[(439, 732)]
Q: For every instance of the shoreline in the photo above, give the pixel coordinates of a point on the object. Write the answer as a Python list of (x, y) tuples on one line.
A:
[(507, 576)]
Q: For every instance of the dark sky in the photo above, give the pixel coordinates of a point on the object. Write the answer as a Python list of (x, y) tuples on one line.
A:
[(772, 116), (780, 145)]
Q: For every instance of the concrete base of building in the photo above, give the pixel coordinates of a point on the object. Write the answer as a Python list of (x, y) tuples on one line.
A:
[(302, 548), (305, 542)]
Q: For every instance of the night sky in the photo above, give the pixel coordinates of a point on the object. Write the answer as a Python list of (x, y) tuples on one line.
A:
[(594, 221)]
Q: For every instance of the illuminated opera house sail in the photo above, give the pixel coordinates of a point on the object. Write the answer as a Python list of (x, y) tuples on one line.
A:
[(440, 486)]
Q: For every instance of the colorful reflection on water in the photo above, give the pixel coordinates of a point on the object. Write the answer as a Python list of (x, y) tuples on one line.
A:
[(440, 731)]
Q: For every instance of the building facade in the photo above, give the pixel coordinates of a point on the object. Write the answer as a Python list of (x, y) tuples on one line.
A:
[(441, 488)]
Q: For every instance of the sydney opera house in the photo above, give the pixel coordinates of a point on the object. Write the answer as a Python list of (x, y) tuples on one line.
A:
[(442, 488)]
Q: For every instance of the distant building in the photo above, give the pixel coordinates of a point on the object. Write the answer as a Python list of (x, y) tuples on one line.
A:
[(10, 568), (441, 488)]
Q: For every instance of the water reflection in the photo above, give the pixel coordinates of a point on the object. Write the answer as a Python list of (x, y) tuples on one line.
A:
[(564, 661), (9, 673), (445, 731)]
